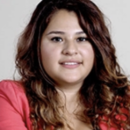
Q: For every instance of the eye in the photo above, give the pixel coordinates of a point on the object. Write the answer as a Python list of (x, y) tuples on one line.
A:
[(82, 39), (57, 39)]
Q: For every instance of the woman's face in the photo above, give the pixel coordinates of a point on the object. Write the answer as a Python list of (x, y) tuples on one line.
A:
[(67, 55)]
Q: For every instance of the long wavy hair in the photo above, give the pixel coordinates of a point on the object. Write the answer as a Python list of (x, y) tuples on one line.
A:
[(104, 92)]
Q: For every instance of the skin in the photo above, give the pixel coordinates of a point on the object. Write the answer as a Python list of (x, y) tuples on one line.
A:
[(68, 58)]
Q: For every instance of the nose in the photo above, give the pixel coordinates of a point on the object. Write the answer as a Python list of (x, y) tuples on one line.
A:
[(70, 48)]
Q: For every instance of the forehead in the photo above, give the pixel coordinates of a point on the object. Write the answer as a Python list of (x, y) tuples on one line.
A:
[(63, 19)]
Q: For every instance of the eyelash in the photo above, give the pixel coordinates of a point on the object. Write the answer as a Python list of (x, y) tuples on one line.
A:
[(59, 39), (82, 39), (56, 39)]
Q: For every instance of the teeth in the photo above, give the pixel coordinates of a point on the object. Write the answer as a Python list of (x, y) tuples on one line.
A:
[(70, 63)]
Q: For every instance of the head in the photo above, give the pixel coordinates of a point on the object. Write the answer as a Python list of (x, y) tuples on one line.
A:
[(91, 21)]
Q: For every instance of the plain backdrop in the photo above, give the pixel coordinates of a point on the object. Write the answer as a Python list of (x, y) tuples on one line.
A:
[(15, 14)]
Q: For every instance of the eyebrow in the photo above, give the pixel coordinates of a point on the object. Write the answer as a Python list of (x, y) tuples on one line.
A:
[(81, 32), (55, 32), (60, 32)]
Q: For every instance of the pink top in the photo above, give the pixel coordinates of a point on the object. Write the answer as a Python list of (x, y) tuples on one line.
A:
[(14, 107)]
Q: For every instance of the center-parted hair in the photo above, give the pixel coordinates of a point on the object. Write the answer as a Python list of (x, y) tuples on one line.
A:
[(103, 93)]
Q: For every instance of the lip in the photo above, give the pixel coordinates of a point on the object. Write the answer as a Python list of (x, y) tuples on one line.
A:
[(70, 64)]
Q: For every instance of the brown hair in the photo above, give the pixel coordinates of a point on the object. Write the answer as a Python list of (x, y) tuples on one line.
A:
[(103, 93)]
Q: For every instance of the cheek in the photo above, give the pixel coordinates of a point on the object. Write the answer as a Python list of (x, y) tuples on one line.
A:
[(88, 53), (47, 60), (46, 56), (49, 55)]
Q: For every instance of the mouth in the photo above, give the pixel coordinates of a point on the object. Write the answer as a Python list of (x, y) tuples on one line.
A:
[(71, 64)]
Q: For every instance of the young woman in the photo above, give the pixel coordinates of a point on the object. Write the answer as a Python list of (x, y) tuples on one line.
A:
[(70, 79)]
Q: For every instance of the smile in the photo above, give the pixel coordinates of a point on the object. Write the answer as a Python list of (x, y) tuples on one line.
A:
[(70, 63)]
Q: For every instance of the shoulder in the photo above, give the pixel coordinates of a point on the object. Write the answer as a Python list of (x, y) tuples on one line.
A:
[(13, 92), (14, 111), (11, 88), (10, 84)]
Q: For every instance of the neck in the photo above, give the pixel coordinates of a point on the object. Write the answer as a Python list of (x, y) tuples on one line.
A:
[(69, 98), (68, 88)]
